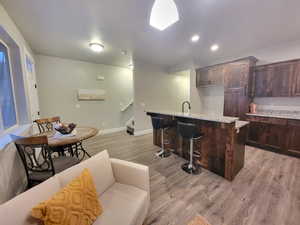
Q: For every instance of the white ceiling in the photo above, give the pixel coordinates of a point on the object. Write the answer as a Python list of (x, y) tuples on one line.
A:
[(64, 28)]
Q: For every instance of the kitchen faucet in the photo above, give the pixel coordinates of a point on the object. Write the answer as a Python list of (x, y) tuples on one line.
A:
[(183, 104)]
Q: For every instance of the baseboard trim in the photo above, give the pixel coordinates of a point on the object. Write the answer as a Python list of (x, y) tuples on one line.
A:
[(112, 130), (142, 132)]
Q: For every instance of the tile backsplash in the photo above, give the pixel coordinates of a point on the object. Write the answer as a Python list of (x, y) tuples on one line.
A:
[(278, 105), (212, 100)]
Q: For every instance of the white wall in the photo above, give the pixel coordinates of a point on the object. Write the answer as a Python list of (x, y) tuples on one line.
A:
[(58, 81), (155, 89), (12, 176)]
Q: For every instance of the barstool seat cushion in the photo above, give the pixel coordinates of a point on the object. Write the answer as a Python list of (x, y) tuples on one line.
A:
[(160, 123), (188, 130)]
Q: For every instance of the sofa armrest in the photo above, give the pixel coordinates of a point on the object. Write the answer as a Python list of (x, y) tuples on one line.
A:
[(131, 174)]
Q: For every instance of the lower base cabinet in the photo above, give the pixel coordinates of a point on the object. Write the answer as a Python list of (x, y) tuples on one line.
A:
[(256, 133), (293, 145), (282, 137), (275, 136)]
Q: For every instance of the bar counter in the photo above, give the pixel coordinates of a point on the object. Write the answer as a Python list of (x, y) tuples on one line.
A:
[(222, 147)]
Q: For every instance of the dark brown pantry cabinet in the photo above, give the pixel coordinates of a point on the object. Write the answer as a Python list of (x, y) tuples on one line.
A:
[(237, 87)]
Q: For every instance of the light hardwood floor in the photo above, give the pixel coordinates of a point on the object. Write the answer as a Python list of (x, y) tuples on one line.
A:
[(265, 192)]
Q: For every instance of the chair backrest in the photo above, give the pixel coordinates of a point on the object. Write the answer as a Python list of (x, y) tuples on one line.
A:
[(47, 124), (159, 122), (187, 130), (35, 154)]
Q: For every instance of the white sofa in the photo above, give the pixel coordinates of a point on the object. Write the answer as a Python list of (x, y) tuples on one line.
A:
[(123, 189)]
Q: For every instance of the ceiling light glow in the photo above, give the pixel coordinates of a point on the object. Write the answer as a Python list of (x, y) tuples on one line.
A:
[(214, 47), (195, 38), (96, 47), (164, 13)]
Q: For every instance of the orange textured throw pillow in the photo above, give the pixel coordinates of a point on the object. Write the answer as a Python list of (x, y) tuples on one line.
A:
[(75, 204)]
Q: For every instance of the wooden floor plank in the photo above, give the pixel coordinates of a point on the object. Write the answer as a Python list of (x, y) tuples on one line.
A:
[(265, 192)]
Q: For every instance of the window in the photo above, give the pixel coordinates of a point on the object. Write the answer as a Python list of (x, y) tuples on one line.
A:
[(29, 65), (8, 116)]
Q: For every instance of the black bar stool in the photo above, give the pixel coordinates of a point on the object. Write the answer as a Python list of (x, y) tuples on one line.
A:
[(162, 124), (189, 131)]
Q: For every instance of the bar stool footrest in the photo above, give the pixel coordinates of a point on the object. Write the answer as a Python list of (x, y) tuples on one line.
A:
[(165, 154), (194, 170)]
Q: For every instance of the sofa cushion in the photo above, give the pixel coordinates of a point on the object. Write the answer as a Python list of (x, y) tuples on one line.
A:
[(122, 204), (18, 210), (77, 203), (100, 168)]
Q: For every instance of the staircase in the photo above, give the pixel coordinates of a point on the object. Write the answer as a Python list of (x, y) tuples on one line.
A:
[(130, 123), (130, 126)]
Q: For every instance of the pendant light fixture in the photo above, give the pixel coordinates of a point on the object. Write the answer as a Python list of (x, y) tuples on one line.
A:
[(164, 13)]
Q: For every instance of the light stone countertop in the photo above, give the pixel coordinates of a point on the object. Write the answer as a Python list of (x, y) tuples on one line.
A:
[(239, 124), (206, 117), (282, 116)]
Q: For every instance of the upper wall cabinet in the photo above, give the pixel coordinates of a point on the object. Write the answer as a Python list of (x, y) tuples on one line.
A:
[(212, 75), (278, 79), (233, 74), (296, 89), (236, 74)]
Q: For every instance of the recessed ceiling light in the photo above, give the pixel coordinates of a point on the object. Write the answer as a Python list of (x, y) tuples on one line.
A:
[(195, 38), (164, 13), (96, 47), (124, 52), (214, 47)]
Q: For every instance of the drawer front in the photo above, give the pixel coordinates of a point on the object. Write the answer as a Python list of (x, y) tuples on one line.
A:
[(269, 120), (278, 121), (294, 123), (258, 119)]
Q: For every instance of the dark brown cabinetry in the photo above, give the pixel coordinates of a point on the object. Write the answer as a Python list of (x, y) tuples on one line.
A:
[(262, 82), (296, 90), (236, 102), (293, 145), (237, 80), (256, 131), (267, 135), (237, 74), (278, 135), (278, 79), (274, 136)]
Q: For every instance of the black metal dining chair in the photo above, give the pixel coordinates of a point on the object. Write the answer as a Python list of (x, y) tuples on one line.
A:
[(37, 159), (47, 124)]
